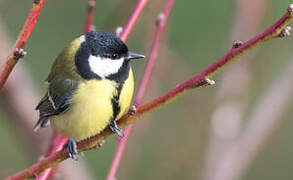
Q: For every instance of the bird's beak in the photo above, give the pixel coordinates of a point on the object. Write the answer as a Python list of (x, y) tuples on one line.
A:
[(133, 55)]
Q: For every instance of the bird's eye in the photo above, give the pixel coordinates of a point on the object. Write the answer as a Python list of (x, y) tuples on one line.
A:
[(114, 56)]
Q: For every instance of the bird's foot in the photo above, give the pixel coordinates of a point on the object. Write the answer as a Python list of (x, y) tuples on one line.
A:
[(71, 148), (115, 128)]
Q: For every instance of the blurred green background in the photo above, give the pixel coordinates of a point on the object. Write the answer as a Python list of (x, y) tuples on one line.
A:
[(171, 142)]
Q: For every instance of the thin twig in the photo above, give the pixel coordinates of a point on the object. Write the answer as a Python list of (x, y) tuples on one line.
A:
[(89, 19), (57, 143), (161, 22), (23, 36), (195, 81), (133, 19)]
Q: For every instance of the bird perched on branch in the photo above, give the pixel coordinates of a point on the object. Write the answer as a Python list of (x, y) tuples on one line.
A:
[(90, 87)]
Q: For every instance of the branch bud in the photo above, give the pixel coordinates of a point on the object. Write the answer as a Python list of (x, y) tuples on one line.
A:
[(237, 44), (92, 27), (19, 53), (209, 81), (91, 4), (285, 32), (290, 9), (100, 144), (132, 110), (36, 1), (160, 18), (205, 82), (118, 30)]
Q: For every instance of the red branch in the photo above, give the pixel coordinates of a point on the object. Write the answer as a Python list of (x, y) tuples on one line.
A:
[(57, 144), (276, 30), (132, 19), (23, 36), (161, 22), (89, 16)]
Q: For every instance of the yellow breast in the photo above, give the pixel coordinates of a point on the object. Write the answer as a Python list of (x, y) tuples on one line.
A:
[(91, 108)]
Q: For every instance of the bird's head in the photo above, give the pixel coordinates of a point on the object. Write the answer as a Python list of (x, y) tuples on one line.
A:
[(102, 55)]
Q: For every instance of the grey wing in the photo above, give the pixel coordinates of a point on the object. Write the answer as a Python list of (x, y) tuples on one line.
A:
[(57, 99)]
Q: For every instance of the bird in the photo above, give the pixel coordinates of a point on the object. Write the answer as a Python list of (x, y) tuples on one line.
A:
[(90, 87)]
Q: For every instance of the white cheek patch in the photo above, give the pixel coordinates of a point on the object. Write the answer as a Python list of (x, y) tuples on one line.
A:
[(104, 67)]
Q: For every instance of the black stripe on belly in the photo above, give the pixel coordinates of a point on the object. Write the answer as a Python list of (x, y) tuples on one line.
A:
[(115, 102), (119, 77)]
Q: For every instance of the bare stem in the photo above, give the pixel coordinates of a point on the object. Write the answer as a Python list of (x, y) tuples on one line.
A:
[(133, 19), (17, 51), (161, 22), (89, 16), (57, 143), (195, 81)]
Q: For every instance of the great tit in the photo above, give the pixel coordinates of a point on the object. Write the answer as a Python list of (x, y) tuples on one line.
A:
[(90, 87)]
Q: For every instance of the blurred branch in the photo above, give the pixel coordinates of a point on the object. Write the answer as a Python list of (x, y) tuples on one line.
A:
[(160, 24), (263, 121), (274, 31), (25, 33), (231, 98)]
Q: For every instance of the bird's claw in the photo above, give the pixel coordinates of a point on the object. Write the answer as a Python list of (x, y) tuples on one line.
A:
[(115, 128), (71, 148)]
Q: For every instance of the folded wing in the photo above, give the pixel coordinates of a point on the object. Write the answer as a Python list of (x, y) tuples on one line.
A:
[(57, 99)]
